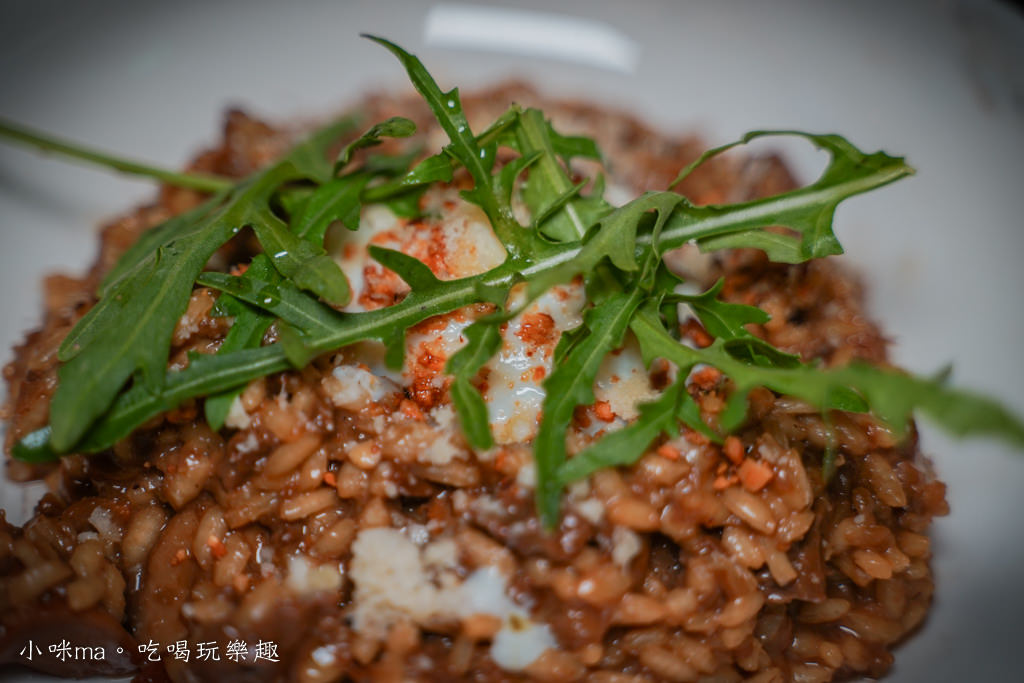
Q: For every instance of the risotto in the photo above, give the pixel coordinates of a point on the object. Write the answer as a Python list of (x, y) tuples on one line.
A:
[(339, 526)]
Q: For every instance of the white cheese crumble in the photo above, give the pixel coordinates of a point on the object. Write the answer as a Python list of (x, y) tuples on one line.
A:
[(237, 418), (583, 504), (590, 509), (625, 546), (102, 520), (395, 579), (527, 475), (351, 254), (623, 381), (514, 393), (441, 451), (353, 387), (520, 641), (470, 244), (249, 444), (307, 578)]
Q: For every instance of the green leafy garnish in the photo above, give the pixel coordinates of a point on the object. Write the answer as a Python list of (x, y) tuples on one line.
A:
[(47, 143), (130, 328), (572, 384), (246, 332), (114, 376)]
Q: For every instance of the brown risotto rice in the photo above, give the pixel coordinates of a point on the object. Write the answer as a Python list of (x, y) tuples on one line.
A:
[(341, 516)]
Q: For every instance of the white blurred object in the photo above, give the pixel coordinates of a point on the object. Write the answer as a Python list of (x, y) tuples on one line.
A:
[(537, 34)]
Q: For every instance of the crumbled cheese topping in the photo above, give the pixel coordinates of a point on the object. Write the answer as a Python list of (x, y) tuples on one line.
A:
[(625, 545), (353, 387), (237, 418), (515, 376), (520, 641), (308, 578), (527, 475), (396, 579), (102, 520), (590, 509), (623, 381), (441, 451), (454, 239), (249, 444)]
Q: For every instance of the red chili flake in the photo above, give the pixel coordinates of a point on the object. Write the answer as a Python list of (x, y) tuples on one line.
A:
[(581, 417), (179, 557), (537, 330), (604, 411), (696, 332), (668, 452), (411, 410), (733, 449), (755, 475), (707, 377), (216, 547), (695, 437), (722, 482)]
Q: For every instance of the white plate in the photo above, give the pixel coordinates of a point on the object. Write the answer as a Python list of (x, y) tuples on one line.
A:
[(942, 83)]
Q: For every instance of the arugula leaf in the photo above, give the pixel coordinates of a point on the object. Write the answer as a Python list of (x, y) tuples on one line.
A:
[(483, 339), (395, 127), (447, 109), (151, 239), (894, 396), (849, 172), (815, 385), (548, 188), (627, 445), (130, 330), (614, 238), (204, 375), (720, 318), (890, 395), (35, 447), (415, 273), (279, 298), (571, 384), (434, 169), (308, 159), (438, 168), (246, 332), (339, 199), (133, 326), (569, 146), (305, 263)]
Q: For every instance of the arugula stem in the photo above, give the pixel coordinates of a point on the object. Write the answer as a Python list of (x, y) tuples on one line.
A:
[(548, 174), (683, 226), (706, 222), (202, 182)]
